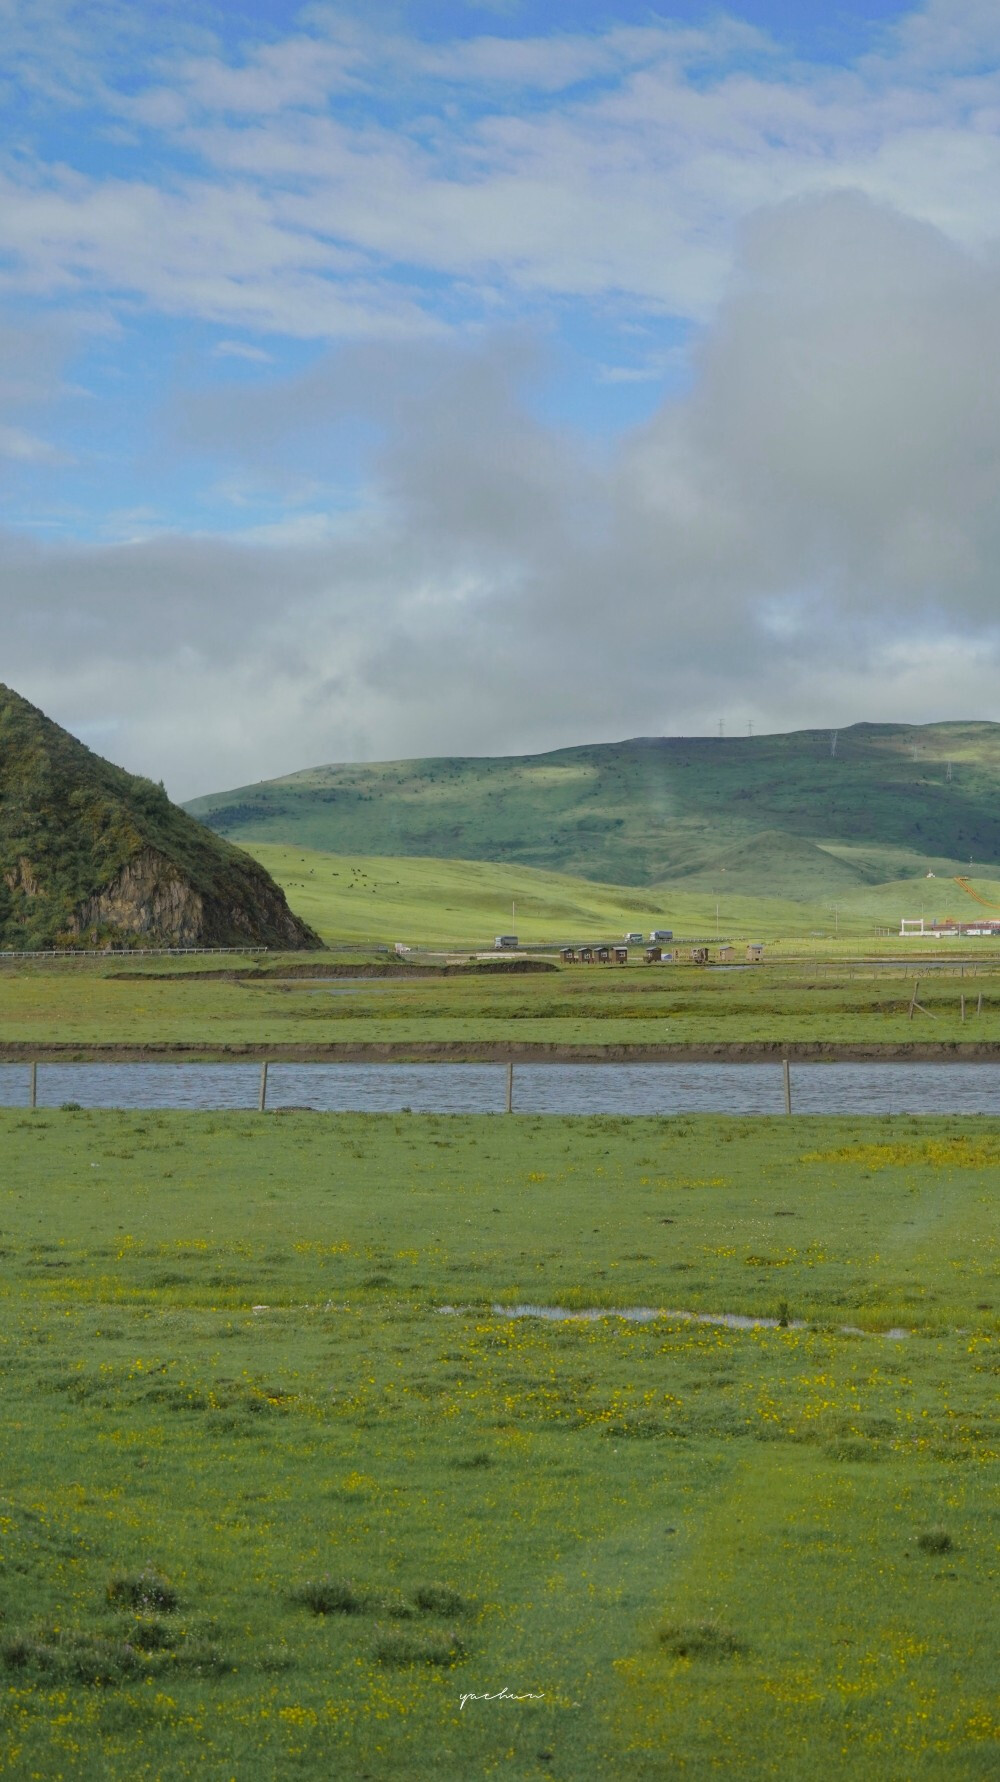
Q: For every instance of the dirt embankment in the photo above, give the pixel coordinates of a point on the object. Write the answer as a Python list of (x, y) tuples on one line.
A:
[(492, 1051), (312, 970)]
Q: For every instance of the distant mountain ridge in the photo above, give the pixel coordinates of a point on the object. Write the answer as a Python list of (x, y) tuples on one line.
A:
[(801, 814), (91, 854)]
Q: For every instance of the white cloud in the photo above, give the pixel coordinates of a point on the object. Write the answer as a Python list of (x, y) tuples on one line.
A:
[(811, 529), (424, 565), (241, 349), (948, 36), (27, 448), (220, 253), (617, 164), (32, 355)]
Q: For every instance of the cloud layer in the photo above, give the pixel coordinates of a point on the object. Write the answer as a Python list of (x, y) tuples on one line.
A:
[(360, 527)]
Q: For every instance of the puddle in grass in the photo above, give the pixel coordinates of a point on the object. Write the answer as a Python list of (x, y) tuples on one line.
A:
[(646, 1315)]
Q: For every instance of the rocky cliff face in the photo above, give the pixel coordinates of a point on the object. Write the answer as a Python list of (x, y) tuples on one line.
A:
[(151, 898), (147, 897)]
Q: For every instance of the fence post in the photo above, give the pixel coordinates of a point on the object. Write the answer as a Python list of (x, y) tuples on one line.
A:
[(510, 1088), (788, 1085), (33, 1086), (262, 1103)]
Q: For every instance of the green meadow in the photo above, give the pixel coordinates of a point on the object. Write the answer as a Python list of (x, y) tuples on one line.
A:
[(428, 902), (269, 1511), (437, 902), (268, 1007)]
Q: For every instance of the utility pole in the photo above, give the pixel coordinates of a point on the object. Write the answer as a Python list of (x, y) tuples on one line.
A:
[(721, 728), (749, 726)]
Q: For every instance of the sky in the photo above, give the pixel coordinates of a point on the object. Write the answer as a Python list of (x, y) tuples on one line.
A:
[(423, 378)]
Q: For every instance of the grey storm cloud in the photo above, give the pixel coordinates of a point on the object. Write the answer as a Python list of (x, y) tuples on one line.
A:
[(807, 533)]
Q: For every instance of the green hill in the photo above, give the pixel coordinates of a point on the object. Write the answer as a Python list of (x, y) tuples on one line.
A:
[(439, 902), (796, 815), (428, 902), (91, 855), (762, 862)]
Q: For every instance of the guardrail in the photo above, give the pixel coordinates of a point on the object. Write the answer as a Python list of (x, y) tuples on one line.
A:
[(119, 952)]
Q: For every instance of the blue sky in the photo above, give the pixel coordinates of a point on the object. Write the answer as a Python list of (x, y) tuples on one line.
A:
[(343, 347)]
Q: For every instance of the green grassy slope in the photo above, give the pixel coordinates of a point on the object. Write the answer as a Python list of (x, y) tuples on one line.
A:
[(87, 849), (883, 806), (427, 902), (431, 902), (762, 863)]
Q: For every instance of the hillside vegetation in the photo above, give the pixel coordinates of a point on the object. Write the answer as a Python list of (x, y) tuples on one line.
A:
[(791, 816), (372, 897), (90, 854), (434, 902)]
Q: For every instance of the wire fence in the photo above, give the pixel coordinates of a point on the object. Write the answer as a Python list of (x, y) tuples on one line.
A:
[(621, 1090), (121, 952)]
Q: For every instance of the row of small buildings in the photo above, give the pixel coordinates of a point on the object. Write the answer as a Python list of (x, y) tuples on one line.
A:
[(700, 954), (948, 926)]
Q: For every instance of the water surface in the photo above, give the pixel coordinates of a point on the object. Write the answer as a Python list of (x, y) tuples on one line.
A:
[(854, 1088)]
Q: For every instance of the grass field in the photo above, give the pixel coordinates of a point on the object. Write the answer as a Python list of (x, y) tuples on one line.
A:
[(268, 1512), (468, 902), (95, 1003), (428, 902)]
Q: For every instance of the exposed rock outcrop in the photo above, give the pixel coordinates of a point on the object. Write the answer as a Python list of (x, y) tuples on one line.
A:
[(151, 897)]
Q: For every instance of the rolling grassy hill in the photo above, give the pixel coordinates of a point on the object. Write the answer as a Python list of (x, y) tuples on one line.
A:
[(781, 815), (371, 897), (435, 902)]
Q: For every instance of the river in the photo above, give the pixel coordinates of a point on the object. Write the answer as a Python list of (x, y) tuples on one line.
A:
[(858, 1088)]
